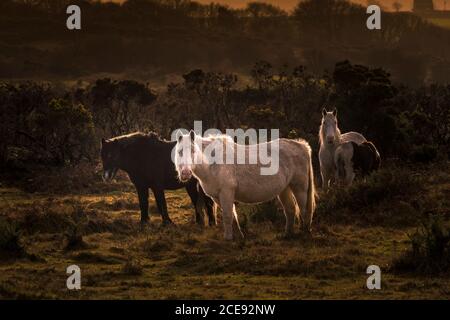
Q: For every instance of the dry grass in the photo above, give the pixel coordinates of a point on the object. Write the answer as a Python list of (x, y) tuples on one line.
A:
[(118, 260)]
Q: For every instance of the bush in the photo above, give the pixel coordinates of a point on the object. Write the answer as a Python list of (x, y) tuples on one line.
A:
[(384, 184), (424, 153), (430, 249), (67, 131)]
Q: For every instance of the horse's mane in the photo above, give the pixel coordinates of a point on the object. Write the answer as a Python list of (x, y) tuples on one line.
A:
[(137, 137), (321, 134)]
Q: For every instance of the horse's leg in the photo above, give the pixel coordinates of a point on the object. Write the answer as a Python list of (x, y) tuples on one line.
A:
[(209, 203), (143, 203), (325, 178), (300, 191), (349, 174), (191, 189), (226, 200), (162, 206), (287, 201), (332, 178)]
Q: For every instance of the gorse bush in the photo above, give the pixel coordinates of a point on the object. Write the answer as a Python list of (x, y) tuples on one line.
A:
[(430, 249), (381, 185), (67, 131)]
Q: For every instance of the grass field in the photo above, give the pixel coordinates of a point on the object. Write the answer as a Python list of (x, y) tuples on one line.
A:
[(118, 260)]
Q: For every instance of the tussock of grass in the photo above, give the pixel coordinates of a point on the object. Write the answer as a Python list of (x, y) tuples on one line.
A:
[(132, 267), (53, 217), (430, 249), (74, 233), (95, 257), (10, 239), (265, 212)]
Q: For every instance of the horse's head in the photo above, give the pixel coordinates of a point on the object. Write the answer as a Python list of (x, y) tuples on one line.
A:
[(110, 154), (185, 155), (330, 131)]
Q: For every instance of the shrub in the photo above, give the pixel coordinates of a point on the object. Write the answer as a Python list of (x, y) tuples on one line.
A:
[(386, 183), (430, 249), (424, 153), (67, 131)]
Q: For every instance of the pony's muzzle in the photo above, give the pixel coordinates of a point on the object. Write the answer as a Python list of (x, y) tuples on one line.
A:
[(185, 175), (108, 175)]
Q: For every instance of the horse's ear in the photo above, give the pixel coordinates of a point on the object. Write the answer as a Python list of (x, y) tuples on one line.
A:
[(335, 112), (178, 135), (192, 135), (324, 112)]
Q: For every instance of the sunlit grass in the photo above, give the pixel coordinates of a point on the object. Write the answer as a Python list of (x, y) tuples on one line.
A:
[(118, 260)]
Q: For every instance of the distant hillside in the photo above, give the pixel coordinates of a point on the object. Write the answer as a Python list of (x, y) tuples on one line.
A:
[(152, 40)]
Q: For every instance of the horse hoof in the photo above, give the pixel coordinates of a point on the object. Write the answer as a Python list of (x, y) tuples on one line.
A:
[(228, 237), (144, 224), (306, 232), (201, 224)]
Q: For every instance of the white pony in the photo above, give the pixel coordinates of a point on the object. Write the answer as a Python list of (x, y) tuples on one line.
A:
[(330, 138), (226, 183)]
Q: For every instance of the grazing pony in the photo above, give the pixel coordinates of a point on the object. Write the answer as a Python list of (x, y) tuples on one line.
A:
[(228, 182), (147, 160), (330, 138), (350, 157)]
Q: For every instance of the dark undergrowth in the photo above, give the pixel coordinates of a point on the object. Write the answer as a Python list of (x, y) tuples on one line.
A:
[(84, 178), (390, 196), (429, 251)]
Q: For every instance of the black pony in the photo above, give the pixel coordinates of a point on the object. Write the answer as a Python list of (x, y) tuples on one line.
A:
[(147, 160)]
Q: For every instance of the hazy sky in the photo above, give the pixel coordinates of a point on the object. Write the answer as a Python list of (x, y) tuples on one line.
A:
[(289, 4)]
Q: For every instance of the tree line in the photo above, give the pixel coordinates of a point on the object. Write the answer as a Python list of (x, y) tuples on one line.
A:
[(48, 125)]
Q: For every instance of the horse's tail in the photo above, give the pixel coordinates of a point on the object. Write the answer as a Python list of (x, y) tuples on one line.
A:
[(311, 196)]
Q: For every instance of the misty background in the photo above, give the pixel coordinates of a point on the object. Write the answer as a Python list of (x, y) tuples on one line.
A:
[(159, 40)]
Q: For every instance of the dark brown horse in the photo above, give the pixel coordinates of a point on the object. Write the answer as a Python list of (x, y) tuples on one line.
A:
[(147, 160)]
